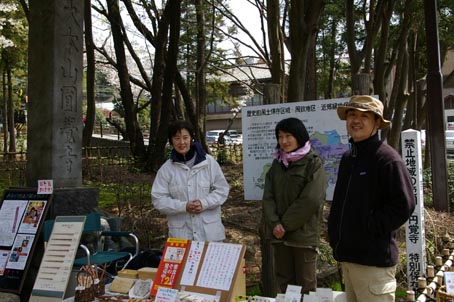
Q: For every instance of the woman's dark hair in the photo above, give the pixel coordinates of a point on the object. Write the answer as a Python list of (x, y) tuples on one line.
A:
[(177, 126), (295, 127)]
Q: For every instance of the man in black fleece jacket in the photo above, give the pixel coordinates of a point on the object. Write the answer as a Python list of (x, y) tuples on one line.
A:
[(372, 199)]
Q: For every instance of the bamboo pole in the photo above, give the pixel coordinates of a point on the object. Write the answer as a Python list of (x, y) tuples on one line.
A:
[(430, 291)]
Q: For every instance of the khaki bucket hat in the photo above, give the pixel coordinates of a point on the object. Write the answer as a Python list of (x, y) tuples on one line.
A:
[(364, 103)]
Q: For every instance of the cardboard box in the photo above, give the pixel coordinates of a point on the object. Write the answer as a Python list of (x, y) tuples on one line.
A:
[(128, 273), (121, 285), (239, 287), (145, 273)]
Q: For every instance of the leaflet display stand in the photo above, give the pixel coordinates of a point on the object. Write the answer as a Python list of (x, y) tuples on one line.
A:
[(56, 266), (209, 268), (22, 214)]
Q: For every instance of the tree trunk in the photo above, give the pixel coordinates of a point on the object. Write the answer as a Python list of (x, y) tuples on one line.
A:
[(329, 94), (275, 38), (268, 279), (411, 117), (380, 55), (172, 14), (156, 86), (394, 109), (311, 72), (271, 93), (353, 54), (11, 128), (89, 122), (361, 84), (188, 103), (200, 73), (372, 21), (5, 115), (132, 125), (421, 103), (304, 17)]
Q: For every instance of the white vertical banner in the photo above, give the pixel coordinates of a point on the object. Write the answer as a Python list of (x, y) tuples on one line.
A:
[(414, 228)]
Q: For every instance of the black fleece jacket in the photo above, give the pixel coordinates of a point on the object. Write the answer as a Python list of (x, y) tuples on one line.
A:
[(372, 199)]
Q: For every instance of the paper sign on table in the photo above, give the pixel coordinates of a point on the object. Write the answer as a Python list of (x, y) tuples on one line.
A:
[(165, 294), (449, 281)]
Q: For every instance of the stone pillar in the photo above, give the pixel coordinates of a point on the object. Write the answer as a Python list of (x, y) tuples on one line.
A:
[(54, 140), (73, 201)]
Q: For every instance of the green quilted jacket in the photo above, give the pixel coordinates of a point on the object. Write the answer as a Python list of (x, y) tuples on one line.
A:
[(294, 197)]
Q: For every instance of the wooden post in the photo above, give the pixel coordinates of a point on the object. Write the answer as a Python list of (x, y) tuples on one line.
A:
[(269, 285)]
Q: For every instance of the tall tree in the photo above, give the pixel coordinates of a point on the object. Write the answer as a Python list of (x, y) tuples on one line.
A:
[(366, 18), (200, 70), (332, 75), (89, 121), (303, 26), (276, 42), (4, 114), (172, 16), (13, 50), (10, 111), (399, 93), (382, 52), (132, 125)]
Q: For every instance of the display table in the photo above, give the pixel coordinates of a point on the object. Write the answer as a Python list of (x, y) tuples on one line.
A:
[(113, 297)]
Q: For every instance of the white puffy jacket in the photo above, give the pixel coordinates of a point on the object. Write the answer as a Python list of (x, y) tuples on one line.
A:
[(176, 184)]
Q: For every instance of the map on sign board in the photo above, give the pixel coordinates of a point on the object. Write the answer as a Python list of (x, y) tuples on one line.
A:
[(328, 136)]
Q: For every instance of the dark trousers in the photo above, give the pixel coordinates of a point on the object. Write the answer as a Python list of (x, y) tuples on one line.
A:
[(295, 266)]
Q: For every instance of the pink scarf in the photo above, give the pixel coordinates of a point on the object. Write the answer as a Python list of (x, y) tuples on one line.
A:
[(285, 157)]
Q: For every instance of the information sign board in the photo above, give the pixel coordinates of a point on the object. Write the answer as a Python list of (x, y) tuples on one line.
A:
[(22, 214)]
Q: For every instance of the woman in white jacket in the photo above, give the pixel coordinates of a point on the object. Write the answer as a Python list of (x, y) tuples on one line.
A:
[(190, 188)]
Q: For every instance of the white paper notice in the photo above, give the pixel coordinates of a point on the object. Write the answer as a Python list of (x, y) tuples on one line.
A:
[(192, 263), (20, 251), (165, 294), (219, 265), (293, 289), (311, 298), (10, 218), (325, 294)]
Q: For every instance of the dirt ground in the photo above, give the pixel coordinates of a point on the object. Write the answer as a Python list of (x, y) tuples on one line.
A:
[(242, 220)]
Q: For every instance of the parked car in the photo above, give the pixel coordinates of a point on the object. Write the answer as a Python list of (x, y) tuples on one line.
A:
[(214, 132), (228, 139), (450, 126), (213, 139), (237, 138)]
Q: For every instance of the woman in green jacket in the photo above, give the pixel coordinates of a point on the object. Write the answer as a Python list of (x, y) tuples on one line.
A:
[(293, 204)]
